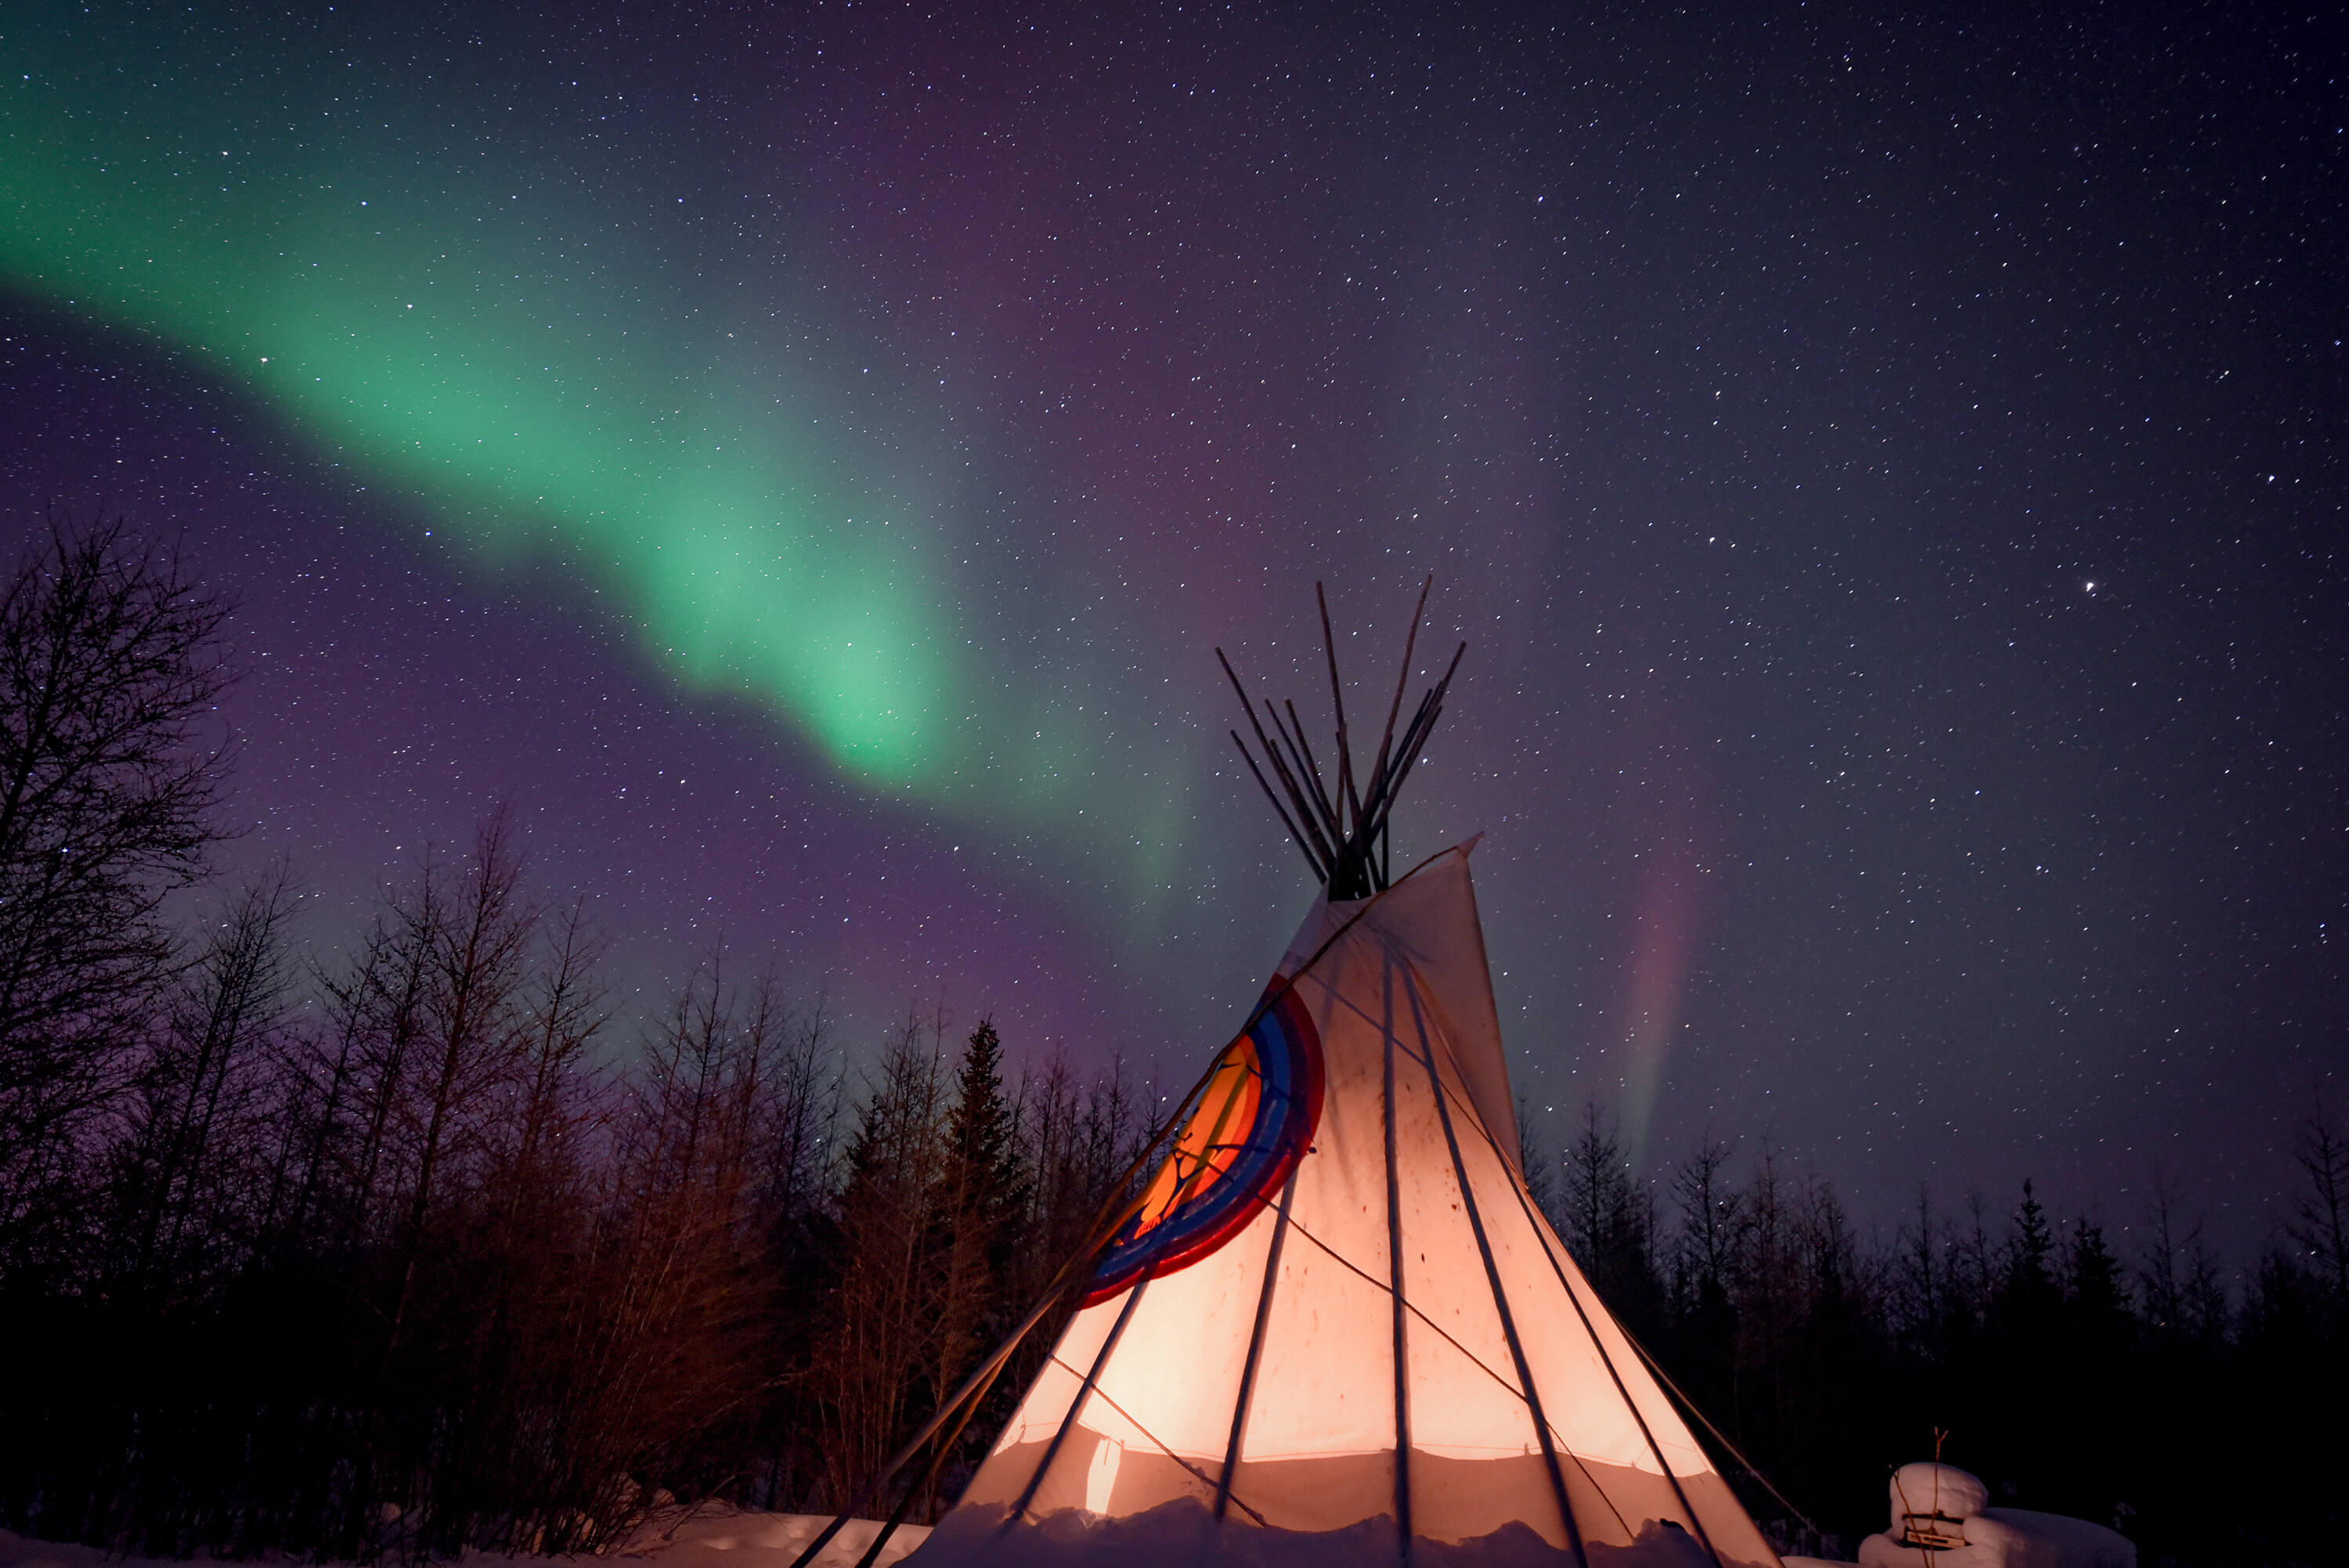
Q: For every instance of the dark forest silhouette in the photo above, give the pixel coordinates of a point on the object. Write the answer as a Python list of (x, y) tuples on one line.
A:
[(418, 1248)]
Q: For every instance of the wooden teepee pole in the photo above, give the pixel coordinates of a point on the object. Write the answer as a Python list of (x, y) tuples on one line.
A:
[(1339, 816)]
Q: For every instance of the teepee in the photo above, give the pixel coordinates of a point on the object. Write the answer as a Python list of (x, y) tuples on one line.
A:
[(1336, 1307)]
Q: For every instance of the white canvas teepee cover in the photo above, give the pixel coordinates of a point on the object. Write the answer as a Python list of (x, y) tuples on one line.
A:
[(1379, 1335)]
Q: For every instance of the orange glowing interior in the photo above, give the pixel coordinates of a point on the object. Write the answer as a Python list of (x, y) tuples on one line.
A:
[(1210, 1140)]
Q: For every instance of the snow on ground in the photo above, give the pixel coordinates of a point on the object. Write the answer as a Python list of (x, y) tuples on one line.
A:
[(712, 1537), (719, 1537), (16, 1551)]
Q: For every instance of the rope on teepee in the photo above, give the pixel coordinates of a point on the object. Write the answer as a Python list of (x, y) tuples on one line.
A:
[(1085, 1392), (1525, 1204), (1691, 1407), (1196, 1473), (1664, 1379)]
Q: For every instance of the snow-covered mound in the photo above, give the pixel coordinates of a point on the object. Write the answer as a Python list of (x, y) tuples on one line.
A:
[(1940, 1510), (2015, 1538), (1182, 1534), (1931, 1503)]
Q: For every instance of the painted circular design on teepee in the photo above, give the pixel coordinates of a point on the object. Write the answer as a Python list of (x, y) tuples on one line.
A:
[(1253, 1123)]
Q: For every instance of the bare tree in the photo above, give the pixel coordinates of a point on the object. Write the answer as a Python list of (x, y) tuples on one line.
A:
[(676, 1343), (880, 1333), (185, 1165), (2180, 1278), (1919, 1273), (476, 952), (1597, 1188), (1771, 1286), (1534, 1161), (511, 1303), (111, 660), (1971, 1278), (567, 1007), (1610, 1218), (1711, 1212), (385, 995), (321, 1075), (2320, 1214)]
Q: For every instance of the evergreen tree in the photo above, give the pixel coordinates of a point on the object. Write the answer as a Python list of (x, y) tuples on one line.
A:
[(2029, 1274), (2093, 1286), (982, 1128), (981, 1192)]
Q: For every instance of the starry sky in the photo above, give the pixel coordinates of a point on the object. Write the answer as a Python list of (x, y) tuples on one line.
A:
[(1888, 468)]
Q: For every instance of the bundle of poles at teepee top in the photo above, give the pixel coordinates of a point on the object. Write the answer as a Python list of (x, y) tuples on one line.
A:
[(1340, 823)]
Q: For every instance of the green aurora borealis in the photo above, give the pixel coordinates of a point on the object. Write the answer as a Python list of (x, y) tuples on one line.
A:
[(555, 357), (535, 398), (845, 433)]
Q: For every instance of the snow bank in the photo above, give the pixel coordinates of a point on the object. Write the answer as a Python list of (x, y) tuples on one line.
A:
[(1182, 1534)]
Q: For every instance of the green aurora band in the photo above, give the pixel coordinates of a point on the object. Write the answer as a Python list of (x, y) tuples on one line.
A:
[(560, 362)]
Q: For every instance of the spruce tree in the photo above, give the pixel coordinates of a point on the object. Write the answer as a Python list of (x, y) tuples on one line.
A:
[(2030, 1272), (981, 1194), (2093, 1284)]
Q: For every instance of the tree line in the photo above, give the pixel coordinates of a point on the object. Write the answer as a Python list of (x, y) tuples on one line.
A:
[(2185, 1402), (417, 1244), (392, 1255)]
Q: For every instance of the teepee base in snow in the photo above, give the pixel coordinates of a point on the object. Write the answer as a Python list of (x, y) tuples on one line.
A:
[(1451, 1496), (1182, 1534), (1340, 1305), (1334, 1325)]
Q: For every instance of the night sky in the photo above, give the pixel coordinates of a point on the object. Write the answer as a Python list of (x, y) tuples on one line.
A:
[(1888, 471)]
